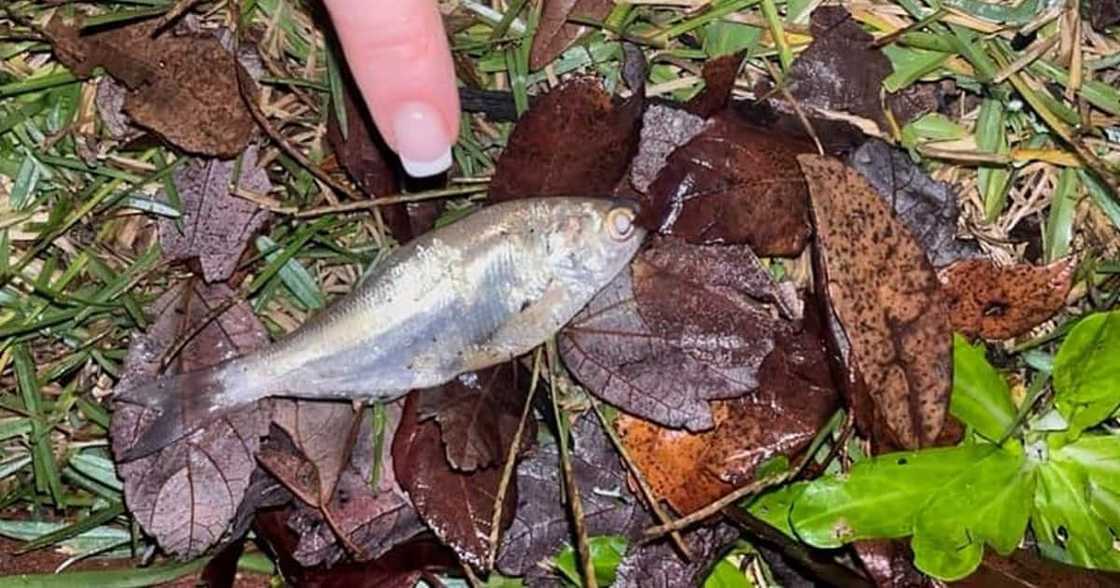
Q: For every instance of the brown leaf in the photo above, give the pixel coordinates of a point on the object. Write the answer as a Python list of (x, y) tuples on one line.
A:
[(1104, 13), (361, 520), (1024, 569), (719, 79), (658, 565), (996, 302), (687, 324), (794, 399), (457, 506), (927, 207), (198, 109), (554, 34), (574, 140), (323, 434), (216, 225), (542, 524), (186, 495), (664, 128), (840, 71), (735, 183), (478, 415), (888, 301), (890, 564)]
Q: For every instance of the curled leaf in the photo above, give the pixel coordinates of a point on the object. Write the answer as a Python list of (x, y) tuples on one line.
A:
[(686, 325), (997, 302), (187, 494), (888, 301), (735, 183)]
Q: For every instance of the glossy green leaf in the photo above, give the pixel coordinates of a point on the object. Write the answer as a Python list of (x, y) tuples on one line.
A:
[(991, 504), (880, 497), (1063, 517), (1098, 459), (726, 575), (774, 506), (981, 398), (1087, 371), (606, 554)]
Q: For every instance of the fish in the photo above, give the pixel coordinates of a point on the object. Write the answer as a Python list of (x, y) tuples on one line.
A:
[(475, 293)]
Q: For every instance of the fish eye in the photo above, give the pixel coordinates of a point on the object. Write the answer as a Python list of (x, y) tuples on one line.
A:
[(620, 223)]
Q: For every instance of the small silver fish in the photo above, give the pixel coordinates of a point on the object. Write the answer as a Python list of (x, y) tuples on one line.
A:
[(472, 294)]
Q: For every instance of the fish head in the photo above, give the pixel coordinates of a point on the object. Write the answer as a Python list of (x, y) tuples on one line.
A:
[(589, 240)]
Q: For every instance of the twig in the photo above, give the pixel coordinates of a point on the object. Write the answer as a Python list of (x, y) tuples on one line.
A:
[(511, 459), (574, 503), (717, 506), (643, 484), (387, 200)]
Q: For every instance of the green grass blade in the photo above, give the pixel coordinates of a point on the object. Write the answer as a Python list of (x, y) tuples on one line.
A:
[(1063, 209)]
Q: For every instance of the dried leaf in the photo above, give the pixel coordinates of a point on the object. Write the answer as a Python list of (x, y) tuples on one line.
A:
[(1104, 13), (187, 494), (478, 415), (1003, 302), (110, 109), (574, 140), (664, 128), (841, 71), (794, 399), (209, 119), (687, 324), (890, 563), (370, 519), (1024, 569), (554, 34), (927, 207), (658, 565), (719, 79), (216, 225), (888, 301), (457, 506), (541, 525), (735, 183), (323, 434)]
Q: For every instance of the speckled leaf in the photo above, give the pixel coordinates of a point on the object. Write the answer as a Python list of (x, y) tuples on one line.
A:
[(216, 225), (187, 494), (664, 128), (541, 525), (478, 414), (574, 140), (554, 33), (209, 119), (685, 325), (658, 565), (996, 302), (927, 207), (734, 183), (794, 399), (457, 506), (888, 301)]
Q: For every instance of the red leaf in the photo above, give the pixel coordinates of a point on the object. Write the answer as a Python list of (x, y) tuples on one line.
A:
[(1002, 302)]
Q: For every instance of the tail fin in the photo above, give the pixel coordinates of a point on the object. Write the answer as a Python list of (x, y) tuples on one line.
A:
[(184, 402)]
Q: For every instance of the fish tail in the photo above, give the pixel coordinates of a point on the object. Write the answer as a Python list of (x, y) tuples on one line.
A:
[(184, 403)]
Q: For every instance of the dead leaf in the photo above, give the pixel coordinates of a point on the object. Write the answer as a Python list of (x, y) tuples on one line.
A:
[(478, 414), (1104, 14), (658, 565), (664, 128), (687, 324), (198, 109), (887, 299), (795, 398), (187, 494), (927, 207), (890, 563), (840, 71), (996, 302), (323, 434), (719, 79), (1025, 569), (574, 140), (554, 33), (216, 225), (735, 183), (369, 519), (457, 506), (541, 525)]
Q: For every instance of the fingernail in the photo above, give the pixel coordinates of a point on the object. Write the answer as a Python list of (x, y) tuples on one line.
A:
[(422, 142)]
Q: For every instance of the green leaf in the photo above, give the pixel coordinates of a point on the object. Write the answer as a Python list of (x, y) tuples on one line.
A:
[(937, 127), (991, 137), (1063, 516), (726, 38), (981, 398), (1063, 207), (606, 554), (726, 575), (880, 497), (991, 504), (910, 65), (130, 578), (1087, 373), (1098, 458), (774, 506), (296, 278)]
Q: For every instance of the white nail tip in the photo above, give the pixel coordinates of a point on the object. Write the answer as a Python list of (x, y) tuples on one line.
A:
[(423, 169)]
